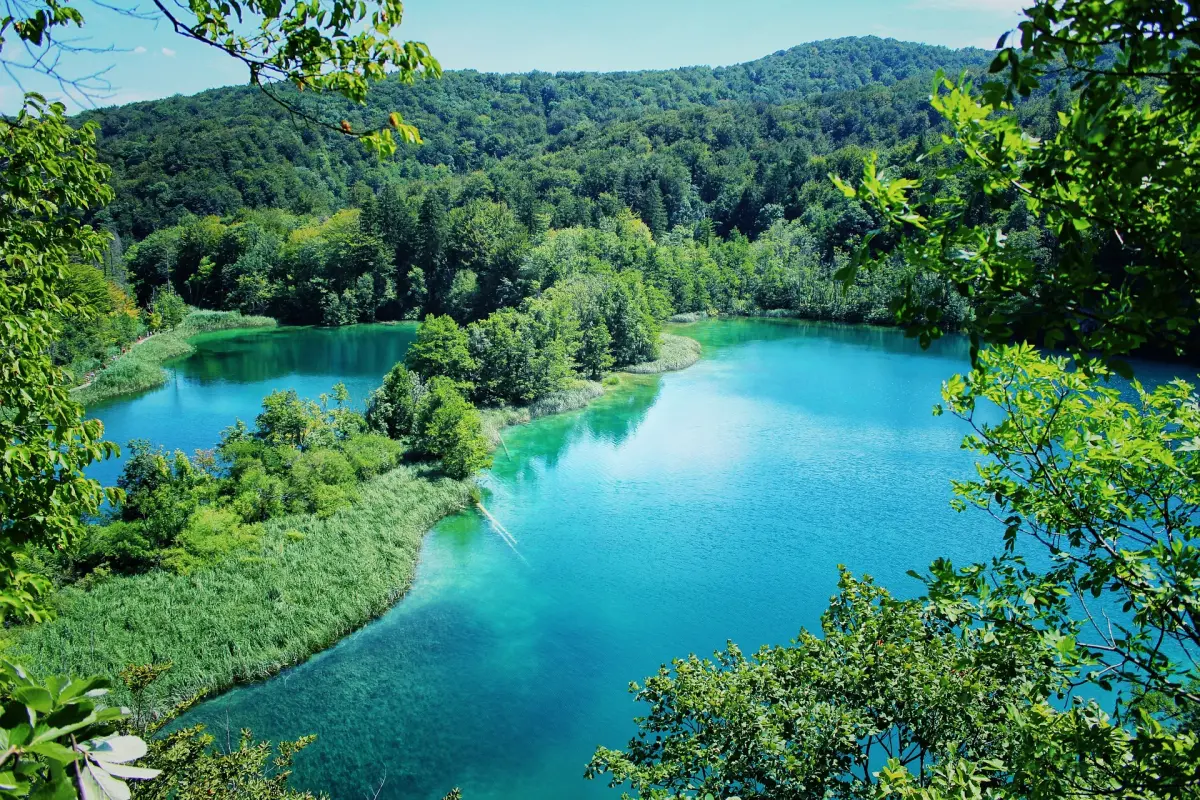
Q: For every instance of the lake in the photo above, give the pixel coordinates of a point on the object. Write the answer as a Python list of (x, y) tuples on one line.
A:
[(710, 504), (232, 371)]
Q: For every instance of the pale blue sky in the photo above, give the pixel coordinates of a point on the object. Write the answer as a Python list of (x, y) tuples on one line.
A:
[(554, 35)]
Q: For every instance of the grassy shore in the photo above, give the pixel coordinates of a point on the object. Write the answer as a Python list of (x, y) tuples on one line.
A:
[(675, 353), (140, 368), (307, 583)]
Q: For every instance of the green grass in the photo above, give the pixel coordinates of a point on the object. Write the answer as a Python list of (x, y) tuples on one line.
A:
[(306, 583), (675, 353), (309, 583), (141, 367), (690, 316)]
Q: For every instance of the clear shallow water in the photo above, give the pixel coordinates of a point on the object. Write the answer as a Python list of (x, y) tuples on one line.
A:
[(231, 372), (704, 505)]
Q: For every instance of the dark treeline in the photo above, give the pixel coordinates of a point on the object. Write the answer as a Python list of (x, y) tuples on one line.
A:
[(228, 149), (722, 207)]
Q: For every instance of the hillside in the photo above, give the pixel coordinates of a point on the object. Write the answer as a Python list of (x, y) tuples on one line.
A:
[(228, 149)]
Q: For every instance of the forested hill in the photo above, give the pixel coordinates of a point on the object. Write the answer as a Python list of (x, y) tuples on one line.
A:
[(228, 149)]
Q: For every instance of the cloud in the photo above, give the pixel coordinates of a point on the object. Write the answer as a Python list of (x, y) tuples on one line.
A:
[(168, 52), (139, 50)]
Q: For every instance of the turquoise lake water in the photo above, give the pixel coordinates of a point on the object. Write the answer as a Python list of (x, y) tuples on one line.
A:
[(231, 372), (704, 505)]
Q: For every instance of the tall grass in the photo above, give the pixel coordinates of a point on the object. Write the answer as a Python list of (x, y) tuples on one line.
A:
[(574, 397), (689, 316), (674, 353), (210, 321), (311, 582), (308, 583), (141, 367)]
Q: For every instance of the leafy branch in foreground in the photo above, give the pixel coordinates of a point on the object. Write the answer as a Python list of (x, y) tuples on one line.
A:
[(1116, 184), (51, 179), (337, 47)]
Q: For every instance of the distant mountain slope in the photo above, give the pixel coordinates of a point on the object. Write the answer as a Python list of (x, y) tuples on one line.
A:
[(226, 149)]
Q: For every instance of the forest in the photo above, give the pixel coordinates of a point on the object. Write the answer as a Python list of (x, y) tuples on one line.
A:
[(1040, 199)]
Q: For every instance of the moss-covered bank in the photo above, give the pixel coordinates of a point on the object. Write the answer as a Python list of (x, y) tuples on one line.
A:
[(141, 367), (308, 583)]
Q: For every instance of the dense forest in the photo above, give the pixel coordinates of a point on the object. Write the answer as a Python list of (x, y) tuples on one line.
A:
[(711, 185)]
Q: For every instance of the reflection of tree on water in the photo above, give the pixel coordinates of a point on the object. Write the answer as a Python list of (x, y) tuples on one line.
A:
[(727, 332), (612, 419), (266, 355)]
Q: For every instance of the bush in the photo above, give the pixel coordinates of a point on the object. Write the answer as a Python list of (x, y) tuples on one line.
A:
[(449, 428), (392, 407), (372, 454), (211, 535)]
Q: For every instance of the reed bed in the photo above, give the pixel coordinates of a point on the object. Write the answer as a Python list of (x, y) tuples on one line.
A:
[(309, 583), (675, 353), (140, 368)]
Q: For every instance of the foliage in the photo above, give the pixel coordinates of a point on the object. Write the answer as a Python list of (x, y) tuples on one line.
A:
[(339, 49), (885, 679), (191, 770), (88, 340), (392, 408), (59, 737), (448, 427), (1107, 485), (1114, 182), (51, 180), (441, 348), (166, 311)]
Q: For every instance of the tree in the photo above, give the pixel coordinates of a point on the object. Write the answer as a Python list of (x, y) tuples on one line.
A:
[(392, 408), (340, 48), (1116, 183), (441, 348), (885, 678), (594, 356), (51, 179), (432, 258), (448, 427)]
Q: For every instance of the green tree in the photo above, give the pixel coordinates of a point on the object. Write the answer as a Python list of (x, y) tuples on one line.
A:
[(51, 180), (594, 356), (816, 718), (1116, 183), (448, 427), (392, 408), (441, 348)]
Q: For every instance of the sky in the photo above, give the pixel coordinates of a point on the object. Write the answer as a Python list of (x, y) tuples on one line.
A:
[(149, 60)]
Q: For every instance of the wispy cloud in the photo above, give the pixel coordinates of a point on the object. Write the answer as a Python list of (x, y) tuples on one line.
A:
[(139, 50), (168, 52)]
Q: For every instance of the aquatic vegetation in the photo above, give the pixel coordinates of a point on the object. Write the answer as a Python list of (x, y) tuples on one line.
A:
[(309, 581), (675, 353), (140, 368)]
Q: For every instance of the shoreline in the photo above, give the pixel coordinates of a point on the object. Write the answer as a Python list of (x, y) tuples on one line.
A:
[(267, 609), (141, 367)]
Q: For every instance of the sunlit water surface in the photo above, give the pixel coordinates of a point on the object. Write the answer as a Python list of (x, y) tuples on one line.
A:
[(699, 506), (705, 505)]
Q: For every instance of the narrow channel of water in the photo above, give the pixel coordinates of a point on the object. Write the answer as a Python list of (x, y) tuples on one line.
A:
[(704, 505)]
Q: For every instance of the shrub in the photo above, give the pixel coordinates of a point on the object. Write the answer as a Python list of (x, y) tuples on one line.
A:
[(441, 349), (450, 428)]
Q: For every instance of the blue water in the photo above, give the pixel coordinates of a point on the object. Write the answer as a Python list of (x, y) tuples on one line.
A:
[(231, 372), (705, 505)]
